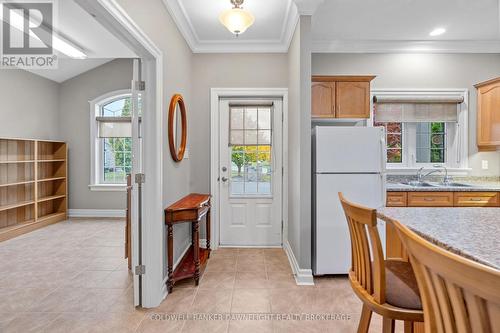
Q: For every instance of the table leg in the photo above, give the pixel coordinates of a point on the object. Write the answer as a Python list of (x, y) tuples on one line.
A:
[(208, 232), (170, 249), (196, 251)]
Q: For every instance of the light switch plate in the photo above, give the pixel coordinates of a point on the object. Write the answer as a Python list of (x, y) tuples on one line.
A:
[(484, 164), (186, 154)]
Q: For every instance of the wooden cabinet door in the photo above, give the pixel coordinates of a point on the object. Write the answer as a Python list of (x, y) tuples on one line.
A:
[(396, 199), (352, 100), (323, 100), (430, 199), (488, 116), (476, 199)]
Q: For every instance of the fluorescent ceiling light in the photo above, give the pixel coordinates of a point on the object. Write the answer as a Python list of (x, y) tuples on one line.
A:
[(437, 32), (58, 43), (65, 47)]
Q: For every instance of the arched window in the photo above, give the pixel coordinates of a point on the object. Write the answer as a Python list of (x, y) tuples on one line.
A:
[(111, 142)]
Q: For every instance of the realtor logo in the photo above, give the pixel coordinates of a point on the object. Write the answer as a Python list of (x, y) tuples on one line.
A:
[(27, 34)]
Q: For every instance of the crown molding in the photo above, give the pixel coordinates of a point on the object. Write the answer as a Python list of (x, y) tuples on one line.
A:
[(186, 28), (179, 15), (403, 46), (307, 7)]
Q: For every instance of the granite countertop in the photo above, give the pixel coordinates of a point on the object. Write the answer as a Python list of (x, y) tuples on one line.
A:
[(469, 232), (476, 186)]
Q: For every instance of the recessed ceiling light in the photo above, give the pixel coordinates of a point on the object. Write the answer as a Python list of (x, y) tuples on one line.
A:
[(437, 32)]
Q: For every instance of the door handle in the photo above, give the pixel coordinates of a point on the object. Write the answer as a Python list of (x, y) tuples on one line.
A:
[(224, 179)]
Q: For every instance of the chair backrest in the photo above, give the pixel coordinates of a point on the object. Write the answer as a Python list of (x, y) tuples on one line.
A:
[(367, 266), (458, 294)]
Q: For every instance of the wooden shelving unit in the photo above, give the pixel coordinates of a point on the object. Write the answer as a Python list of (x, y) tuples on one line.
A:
[(33, 185)]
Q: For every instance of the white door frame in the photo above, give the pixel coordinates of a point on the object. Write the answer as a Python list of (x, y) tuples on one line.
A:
[(215, 95), (119, 23)]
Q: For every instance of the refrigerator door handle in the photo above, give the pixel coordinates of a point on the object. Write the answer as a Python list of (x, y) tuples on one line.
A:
[(383, 151)]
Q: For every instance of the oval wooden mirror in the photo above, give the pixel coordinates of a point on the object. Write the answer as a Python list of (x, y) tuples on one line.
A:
[(177, 127)]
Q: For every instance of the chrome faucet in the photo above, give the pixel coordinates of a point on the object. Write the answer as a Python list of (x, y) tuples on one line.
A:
[(446, 179), (420, 177)]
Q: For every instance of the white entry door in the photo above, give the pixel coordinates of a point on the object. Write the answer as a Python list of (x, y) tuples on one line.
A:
[(250, 172)]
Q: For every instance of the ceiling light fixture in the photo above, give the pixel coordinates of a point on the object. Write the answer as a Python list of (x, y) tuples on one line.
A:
[(236, 19), (437, 32)]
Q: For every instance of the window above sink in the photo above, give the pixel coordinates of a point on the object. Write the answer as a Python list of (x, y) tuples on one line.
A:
[(424, 128)]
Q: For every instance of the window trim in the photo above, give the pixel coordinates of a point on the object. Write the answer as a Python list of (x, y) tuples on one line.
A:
[(460, 149), (95, 183)]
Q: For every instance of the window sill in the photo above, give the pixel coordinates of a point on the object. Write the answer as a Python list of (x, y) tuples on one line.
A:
[(413, 171), (108, 187)]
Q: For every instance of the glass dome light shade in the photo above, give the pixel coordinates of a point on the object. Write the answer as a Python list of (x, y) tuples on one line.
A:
[(236, 20)]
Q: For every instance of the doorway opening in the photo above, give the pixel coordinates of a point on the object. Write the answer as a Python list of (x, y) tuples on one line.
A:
[(145, 212)]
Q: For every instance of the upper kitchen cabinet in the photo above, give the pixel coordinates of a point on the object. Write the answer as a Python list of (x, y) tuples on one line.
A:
[(341, 96), (488, 114), (323, 100)]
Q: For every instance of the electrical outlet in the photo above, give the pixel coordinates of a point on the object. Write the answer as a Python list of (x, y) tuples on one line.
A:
[(484, 164)]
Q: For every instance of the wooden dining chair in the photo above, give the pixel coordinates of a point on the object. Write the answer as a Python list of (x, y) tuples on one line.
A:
[(386, 287), (458, 294)]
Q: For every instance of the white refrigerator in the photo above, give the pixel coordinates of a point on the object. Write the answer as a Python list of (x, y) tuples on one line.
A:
[(350, 160)]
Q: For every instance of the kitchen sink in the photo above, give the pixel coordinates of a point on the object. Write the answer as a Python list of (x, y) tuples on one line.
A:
[(418, 184), (455, 185), (415, 183)]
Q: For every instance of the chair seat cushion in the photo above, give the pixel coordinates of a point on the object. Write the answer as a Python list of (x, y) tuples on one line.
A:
[(401, 285)]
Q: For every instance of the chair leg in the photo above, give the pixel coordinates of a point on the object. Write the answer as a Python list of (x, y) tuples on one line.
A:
[(408, 327), (364, 321), (387, 325)]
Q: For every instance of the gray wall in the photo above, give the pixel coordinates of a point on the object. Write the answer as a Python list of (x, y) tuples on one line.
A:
[(424, 71), (224, 71), (74, 124), (152, 17), (29, 105), (299, 142)]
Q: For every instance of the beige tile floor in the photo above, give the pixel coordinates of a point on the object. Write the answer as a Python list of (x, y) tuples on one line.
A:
[(71, 277)]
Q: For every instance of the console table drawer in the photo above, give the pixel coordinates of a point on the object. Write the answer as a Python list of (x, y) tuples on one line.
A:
[(476, 199), (430, 199)]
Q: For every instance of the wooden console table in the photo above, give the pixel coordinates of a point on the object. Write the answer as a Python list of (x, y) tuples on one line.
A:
[(192, 208)]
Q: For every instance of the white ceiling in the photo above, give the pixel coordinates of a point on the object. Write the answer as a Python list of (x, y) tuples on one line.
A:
[(406, 20), (199, 23), (471, 26), (83, 31), (69, 68), (346, 25)]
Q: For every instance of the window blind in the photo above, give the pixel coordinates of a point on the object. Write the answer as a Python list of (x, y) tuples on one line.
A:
[(114, 127), (250, 125), (416, 112)]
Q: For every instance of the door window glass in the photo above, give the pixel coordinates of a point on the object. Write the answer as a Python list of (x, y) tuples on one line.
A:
[(250, 143)]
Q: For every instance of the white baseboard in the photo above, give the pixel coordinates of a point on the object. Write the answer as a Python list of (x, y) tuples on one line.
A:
[(303, 277), (203, 243), (96, 213), (186, 246)]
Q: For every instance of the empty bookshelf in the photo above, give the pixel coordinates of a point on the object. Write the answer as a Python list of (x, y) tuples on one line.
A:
[(33, 185)]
